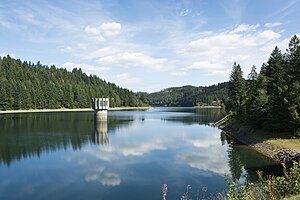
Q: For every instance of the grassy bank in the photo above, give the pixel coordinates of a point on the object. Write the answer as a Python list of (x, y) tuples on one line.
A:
[(269, 144), (292, 198), (68, 110)]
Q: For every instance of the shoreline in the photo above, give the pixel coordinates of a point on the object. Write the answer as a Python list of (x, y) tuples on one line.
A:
[(69, 110), (207, 107), (280, 154)]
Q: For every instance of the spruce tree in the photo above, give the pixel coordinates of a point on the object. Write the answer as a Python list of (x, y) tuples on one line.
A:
[(293, 82), (277, 114), (236, 91), (251, 96)]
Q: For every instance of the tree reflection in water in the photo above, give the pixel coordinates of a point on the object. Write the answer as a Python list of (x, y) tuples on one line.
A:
[(243, 160), (31, 134)]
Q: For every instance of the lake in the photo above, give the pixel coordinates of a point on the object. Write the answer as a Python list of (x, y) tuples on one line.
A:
[(69, 156)]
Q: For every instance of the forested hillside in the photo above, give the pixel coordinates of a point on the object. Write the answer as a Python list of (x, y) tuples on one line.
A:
[(188, 96), (24, 85), (269, 100)]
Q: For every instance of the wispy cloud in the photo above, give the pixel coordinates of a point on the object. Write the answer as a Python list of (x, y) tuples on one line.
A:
[(284, 10), (90, 69), (272, 24), (234, 9)]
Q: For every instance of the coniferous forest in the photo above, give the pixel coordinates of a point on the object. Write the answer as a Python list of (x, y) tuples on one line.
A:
[(270, 99), (24, 85), (213, 95)]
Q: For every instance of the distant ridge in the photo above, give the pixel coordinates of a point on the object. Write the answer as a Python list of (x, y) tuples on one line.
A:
[(188, 95)]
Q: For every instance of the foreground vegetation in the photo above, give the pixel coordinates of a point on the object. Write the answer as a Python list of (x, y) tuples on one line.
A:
[(285, 187), (269, 100), (267, 109), (25, 85), (270, 187)]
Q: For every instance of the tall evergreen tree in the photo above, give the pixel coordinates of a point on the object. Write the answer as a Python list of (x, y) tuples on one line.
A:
[(236, 91), (276, 91), (293, 82)]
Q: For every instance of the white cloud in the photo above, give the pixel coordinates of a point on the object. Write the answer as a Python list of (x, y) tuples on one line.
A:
[(91, 30), (245, 28), (91, 177), (90, 69), (203, 65), (103, 176), (206, 67), (104, 31), (214, 161), (124, 149), (216, 52), (204, 142), (110, 179), (139, 149), (134, 59), (110, 29), (273, 24), (230, 41)]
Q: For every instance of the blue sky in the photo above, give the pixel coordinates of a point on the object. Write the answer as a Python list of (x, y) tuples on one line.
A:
[(148, 45)]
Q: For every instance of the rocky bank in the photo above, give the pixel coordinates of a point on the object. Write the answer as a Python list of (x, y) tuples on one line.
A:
[(286, 156)]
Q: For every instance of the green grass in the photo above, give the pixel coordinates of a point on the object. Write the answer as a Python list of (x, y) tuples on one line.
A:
[(280, 143), (276, 140), (292, 198)]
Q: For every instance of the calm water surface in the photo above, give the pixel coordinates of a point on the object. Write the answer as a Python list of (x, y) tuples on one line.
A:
[(69, 156)]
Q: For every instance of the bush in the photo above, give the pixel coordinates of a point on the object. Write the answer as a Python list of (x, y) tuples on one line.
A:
[(269, 187)]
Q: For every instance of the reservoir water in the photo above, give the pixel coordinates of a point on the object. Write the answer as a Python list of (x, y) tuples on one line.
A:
[(69, 156)]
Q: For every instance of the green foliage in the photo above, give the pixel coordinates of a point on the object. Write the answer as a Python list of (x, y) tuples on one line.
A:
[(270, 187), (270, 100), (33, 86), (236, 91), (188, 96), (237, 192), (281, 186), (276, 89)]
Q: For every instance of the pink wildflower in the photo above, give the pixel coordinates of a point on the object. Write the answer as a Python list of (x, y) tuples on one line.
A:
[(164, 191)]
